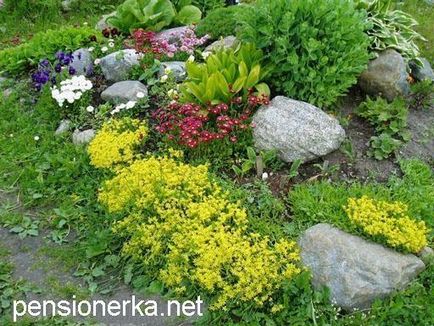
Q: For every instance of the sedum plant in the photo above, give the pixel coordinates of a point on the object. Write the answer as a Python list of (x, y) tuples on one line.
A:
[(316, 49), (225, 75), (153, 15), (391, 29)]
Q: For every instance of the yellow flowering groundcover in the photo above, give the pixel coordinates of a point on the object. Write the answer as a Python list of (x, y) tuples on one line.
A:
[(181, 224), (389, 221), (116, 141)]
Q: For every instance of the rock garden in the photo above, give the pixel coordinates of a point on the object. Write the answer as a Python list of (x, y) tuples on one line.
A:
[(274, 158)]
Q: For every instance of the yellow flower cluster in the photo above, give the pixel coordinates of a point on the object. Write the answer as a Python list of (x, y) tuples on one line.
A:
[(388, 220), (183, 225), (116, 141)]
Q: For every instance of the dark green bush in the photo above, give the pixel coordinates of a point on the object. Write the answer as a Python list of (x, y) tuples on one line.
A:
[(316, 48), (207, 5), (220, 22), (43, 45)]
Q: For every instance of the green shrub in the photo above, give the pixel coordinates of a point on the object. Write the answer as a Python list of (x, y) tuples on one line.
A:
[(316, 48), (43, 45), (207, 5), (389, 121), (220, 22), (391, 29)]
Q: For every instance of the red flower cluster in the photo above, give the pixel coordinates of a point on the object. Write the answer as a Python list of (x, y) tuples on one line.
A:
[(146, 42), (191, 125)]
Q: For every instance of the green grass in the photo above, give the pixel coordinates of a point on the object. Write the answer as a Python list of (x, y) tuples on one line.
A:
[(424, 14)]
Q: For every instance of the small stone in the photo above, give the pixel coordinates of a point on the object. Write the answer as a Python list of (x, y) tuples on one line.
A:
[(426, 254), (124, 91), (102, 23), (83, 137), (66, 5), (64, 126), (421, 72), (356, 271), (7, 92), (177, 68), (386, 76), (296, 130), (229, 42), (83, 62), (116, 66)]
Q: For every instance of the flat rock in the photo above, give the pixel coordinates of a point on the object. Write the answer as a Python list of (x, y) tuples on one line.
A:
[(83, 62), (386, 76), (356, 271), (229, 42), (124, 91), (116, 66), (83, 137), (422, 72), (297, 130), (177, 68), (171, 34)]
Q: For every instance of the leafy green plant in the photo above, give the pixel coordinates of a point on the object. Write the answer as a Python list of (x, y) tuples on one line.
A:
[(153, 15), (220, 22), (254, 161), (225, 75), (43, 45), (315, 53), (391, 29), (389, 121), (422, 95)]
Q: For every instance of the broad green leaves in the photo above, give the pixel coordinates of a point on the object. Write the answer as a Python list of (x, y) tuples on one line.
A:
[(225, 75)]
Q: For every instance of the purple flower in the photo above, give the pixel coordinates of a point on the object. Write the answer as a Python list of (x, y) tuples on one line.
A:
[(58, 68), (72, 71), (60, 55), (45, 63)]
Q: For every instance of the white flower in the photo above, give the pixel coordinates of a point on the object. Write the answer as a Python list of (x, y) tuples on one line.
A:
[(104, 49), (11, 135), (121, 106), (164, 78), (206, 54), (264, 176), (172, 93), (191, 58), (130, 105), (36, 138), (140, 95), (97, 62), (111, 44), (85, 23), (90, 109), (91, 49)]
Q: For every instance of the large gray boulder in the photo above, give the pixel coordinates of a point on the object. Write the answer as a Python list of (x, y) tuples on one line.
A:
[(356, 271), (297, 130), (229, 42), (124, 91), (386, 76), (82, 63), (422, 72), (116, 66), (177, 69)]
